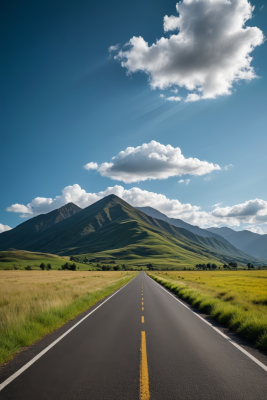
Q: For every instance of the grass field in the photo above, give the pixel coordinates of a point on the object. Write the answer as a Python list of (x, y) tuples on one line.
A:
[(237, 299), (163, 258), (20, 259), (34, 303)]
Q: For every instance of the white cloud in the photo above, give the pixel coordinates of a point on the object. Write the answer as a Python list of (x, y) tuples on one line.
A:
[(90, 165), (20, 208), (228, 166), (216, 205), (187, 181), (262, 7), (208, 54), (135, 196), (114, 48), (4, 228), (181, 181), (257, 229), (175, 90), (173, 98), (192, 97), (153, 161), (162, 96)]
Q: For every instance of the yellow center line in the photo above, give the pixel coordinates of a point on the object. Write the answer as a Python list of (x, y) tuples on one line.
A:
[(142, 303), (143, 319), (144, 378), (143, 308), (142, 298)]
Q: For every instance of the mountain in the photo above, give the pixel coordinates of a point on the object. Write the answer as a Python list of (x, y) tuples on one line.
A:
[(152, 212), (113, 228), (247, 241), (26, 232)]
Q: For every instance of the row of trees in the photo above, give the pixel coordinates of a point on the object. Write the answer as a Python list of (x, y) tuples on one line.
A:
[(47, 266), (70, 267), (206, 266)]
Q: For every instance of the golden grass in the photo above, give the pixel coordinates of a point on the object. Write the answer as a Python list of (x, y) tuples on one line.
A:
[(237, 299), (34, 303)]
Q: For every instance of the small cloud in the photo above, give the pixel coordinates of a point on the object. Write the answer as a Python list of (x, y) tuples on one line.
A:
[(256, 229), (114, 48), (207, 178), (217, 205), (228, 166), (174, 90), (162, 96), (261, 8), (90, 165), (4, 228), (184, 181), (192, 97), (173, 98)]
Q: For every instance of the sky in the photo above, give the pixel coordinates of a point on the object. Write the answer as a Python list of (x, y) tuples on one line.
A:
[(159, 102)]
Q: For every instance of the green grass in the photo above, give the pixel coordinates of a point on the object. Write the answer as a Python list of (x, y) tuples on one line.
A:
[(33, 304), (237, 299), (20, 259)]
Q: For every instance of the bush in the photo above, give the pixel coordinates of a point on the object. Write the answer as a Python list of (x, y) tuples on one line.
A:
[(48, 267), (42, 266), (28, 268)]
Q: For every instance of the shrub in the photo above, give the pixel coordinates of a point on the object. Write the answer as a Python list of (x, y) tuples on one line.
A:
[(28, 268), (42, 266), (48, 267)]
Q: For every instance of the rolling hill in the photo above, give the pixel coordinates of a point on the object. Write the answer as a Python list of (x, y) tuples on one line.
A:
[(113, 228), (247, 241)]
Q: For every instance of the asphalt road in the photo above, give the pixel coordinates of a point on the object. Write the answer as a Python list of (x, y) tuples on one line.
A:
[(101, 357)]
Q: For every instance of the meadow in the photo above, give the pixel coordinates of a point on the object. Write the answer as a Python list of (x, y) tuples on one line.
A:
[(237, 299), (19, 259), (35, 303)]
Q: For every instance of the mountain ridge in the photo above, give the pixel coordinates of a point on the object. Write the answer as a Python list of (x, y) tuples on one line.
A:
[(245, 240), (114, 226)]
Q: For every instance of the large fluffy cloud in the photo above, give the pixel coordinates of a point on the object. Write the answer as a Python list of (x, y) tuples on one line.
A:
[(249, 215), (4, 228), (210, 52), (152, 161), (75, 194)]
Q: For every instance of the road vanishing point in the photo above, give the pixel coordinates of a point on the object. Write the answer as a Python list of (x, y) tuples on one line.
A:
[(139, 343)]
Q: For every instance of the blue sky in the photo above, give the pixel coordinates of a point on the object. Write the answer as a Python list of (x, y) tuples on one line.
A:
[(67, 102)]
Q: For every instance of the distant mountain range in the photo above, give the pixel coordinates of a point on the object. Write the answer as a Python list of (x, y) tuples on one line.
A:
[(152, 212), (247, 241), (111, 227)]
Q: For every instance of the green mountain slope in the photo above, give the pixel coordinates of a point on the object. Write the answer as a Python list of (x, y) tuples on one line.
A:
[(113, 228), (152, 212)]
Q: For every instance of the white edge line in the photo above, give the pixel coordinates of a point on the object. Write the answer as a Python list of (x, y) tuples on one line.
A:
[(26, 366), (263, 366)]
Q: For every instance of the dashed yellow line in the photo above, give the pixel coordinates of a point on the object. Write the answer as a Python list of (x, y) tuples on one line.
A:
[(142, 303), (143, 308), (142, 319), (144, 378)]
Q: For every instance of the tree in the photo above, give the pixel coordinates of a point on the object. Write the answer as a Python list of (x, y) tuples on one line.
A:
[(42, 266), (48, 267), (73, 267), (150, 267), (28, 268)]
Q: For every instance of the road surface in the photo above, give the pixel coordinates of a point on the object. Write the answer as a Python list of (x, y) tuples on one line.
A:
[(141, 343)]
